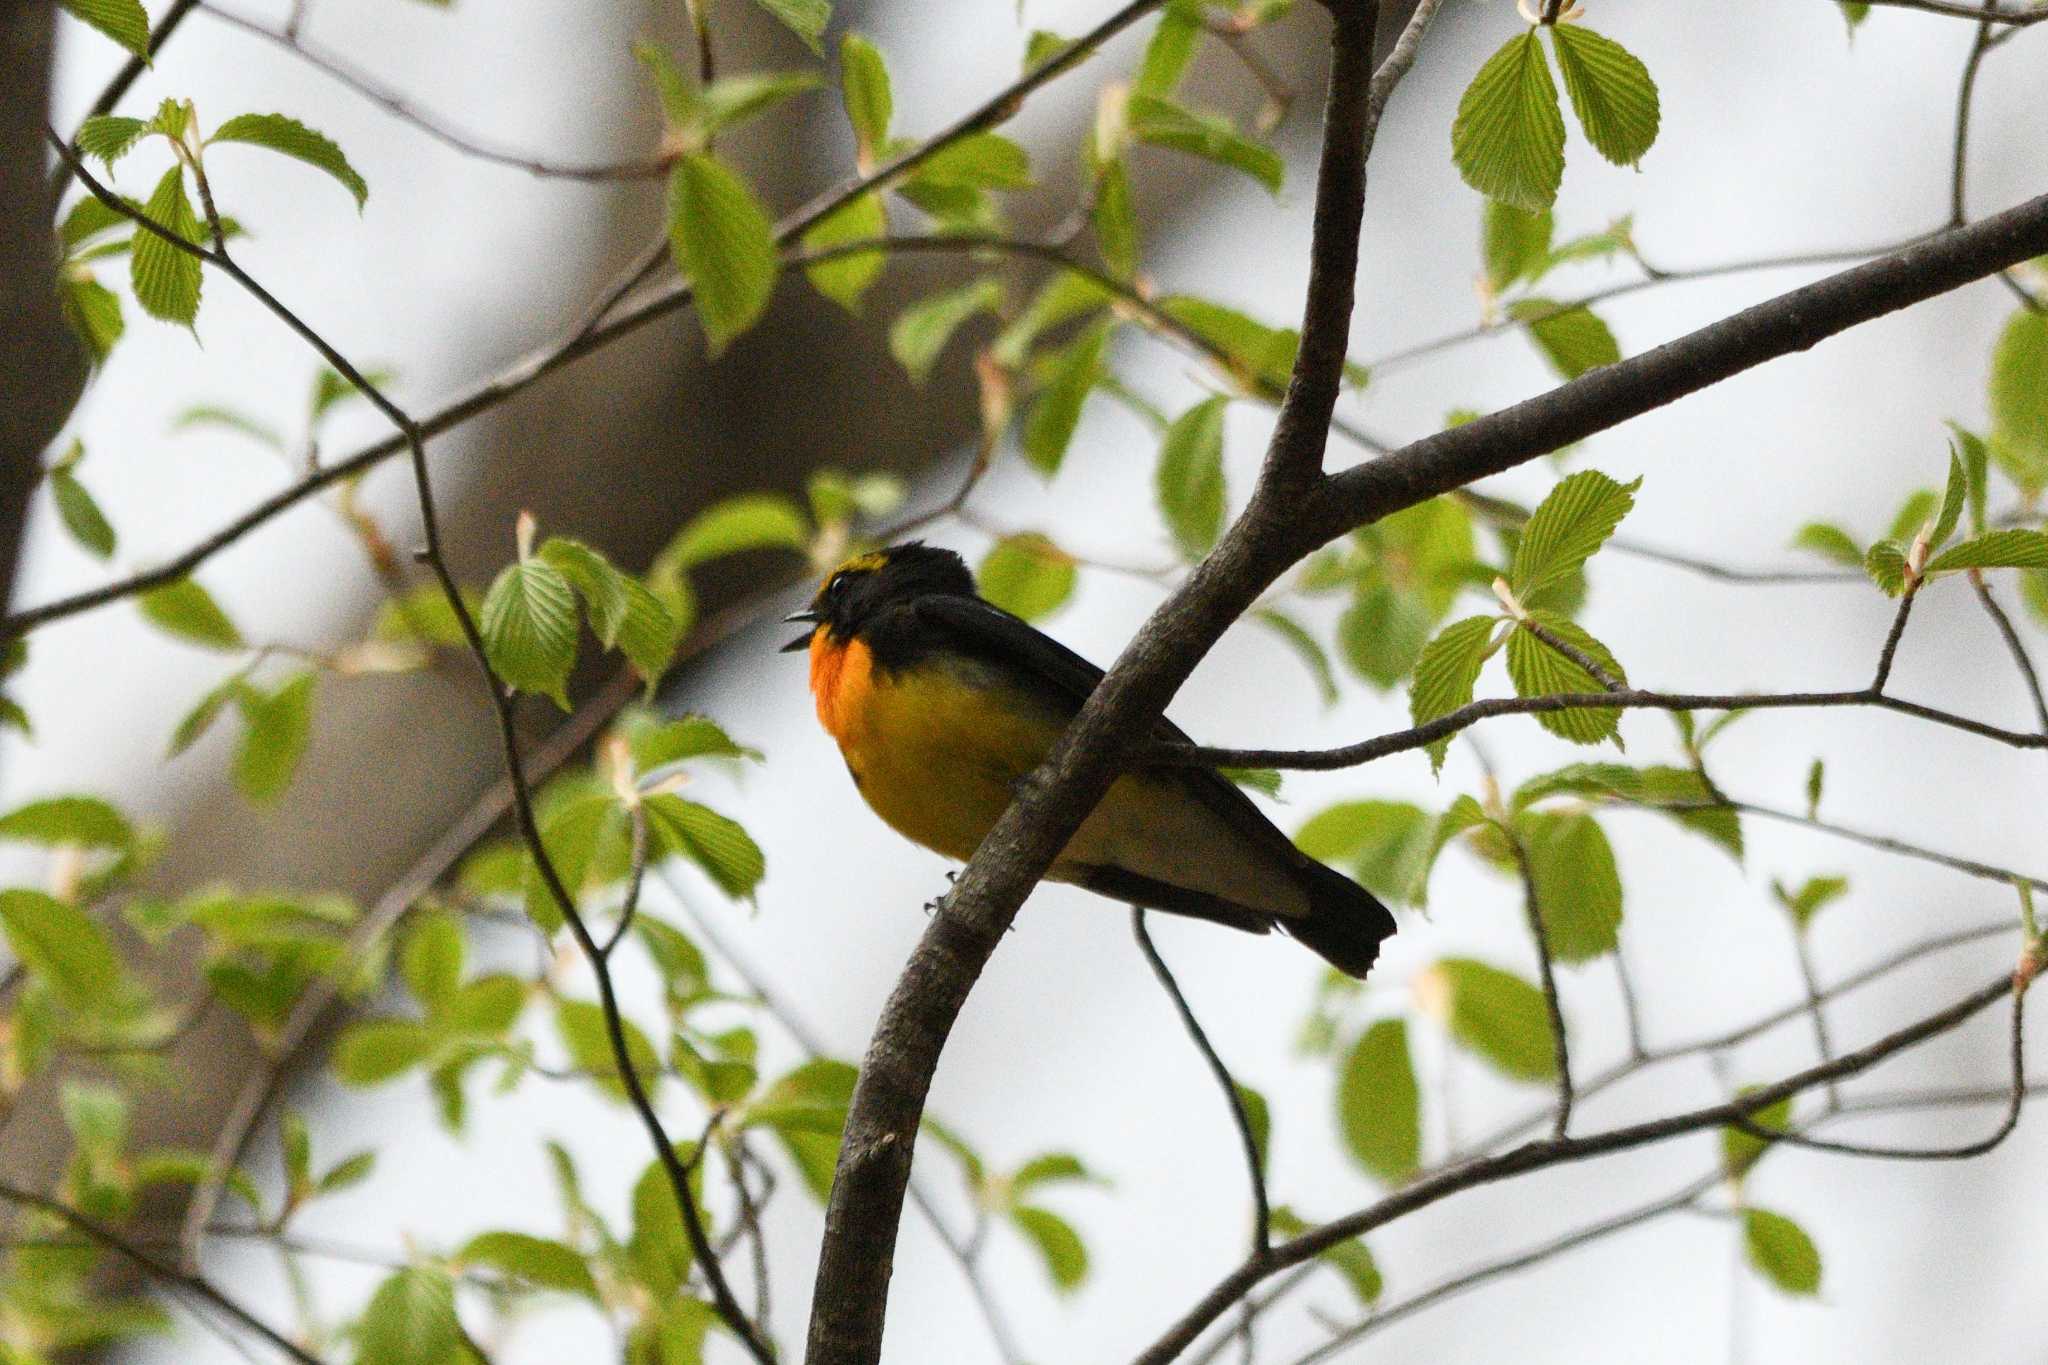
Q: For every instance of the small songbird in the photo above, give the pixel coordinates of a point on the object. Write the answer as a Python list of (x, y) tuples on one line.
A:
[(941, 702)]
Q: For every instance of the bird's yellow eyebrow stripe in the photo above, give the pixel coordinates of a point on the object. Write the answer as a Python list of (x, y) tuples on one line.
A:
[(867, 563)]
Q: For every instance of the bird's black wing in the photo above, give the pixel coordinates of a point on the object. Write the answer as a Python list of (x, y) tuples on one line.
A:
[(987, 632)]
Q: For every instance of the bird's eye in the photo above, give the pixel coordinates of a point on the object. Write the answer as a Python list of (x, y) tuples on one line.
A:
[(836, 586)]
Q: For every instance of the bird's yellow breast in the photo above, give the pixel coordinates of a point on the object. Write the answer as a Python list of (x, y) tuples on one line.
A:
[(935, 748)]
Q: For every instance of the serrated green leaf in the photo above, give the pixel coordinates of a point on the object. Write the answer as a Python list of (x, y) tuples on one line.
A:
[(1578, 887), (1379, 1106), (1680, 793), (1611, 92), (716, 843), (805, 18), (1976, 458), (109, 137), (125, 21), (62, 946), (2019, 400), (1538, 671), (410, 1320), (1780, 1250), (1027, 575), (1508, 138), (656, 741), (539, 1261), (93, 312), (1306, 647), (276, 728), (1885, 562), (581, 1025), (1189, 482), (289, 137), (1162, 122), (1994, 550), (1073, 372), (1445, 673), (1954, 496), (188, 611), (724, 243), (1573, 339), (166, 279), (846, 279), (920, 333), (529, 629), (86, 219), (1497, 1016), (1567, 528), (1830, 542), (864, 85), (1514, 243), (1058, 1245)]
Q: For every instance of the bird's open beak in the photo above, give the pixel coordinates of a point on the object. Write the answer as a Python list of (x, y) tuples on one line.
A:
[(803, 641)]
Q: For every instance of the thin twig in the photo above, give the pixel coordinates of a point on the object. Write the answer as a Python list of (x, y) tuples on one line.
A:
[(1254, 1160), (1539, 935), (1891, 640), (1809, 980), (2013, 646)]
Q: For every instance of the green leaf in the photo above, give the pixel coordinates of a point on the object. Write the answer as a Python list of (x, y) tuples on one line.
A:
[(571, 835), (1072, 373), (375, 1050), (1813, 896), (54, 821), (1445, 674), (838, 497), (166, 279), (1830, 542), (529, 628), (289, 137), (1379, 1107), (346, 1173), (1611, 92), (1994, 550), (1027, 575), (806, 1110), (88, 217), (1578, 887), (1496, 1015), (1165, 123), (431, 960), (750, 521), (80, 514), (805, 18), (1057, 1244), (1740, 1148), (1170, 49), (1954, 497), (980, 161), (1538, 671), (1567, 528), (1387, 845), (1383, 633), (1189, 482), (581, 1025), (1305, 646), (1514, 243), (1781, 1252), (733, 100), (276, 728), (1670, 790), (1051, 1169), (846, 280), (410, 1320), (921, 331), (864, 83), (63, 947), (539, 1261), (93, 312), (1914, 513), (1064, 296), (1816, 777), (1115, 220), (188, 611), (718, 845), (2019, 400), (1574, 340), (1885, 562), (1264, 355), (125, 21), (1264, 781), (110, 137), (657, 741), (1508, 138), (724, 242)]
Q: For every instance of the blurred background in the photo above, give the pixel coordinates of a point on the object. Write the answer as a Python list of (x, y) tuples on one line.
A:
[(1780, 135)]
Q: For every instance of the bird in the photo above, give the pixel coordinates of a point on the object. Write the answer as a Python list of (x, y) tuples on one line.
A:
[(942, 702)]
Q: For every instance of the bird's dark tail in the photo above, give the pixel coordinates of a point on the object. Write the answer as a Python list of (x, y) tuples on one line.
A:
[(1345, 922)]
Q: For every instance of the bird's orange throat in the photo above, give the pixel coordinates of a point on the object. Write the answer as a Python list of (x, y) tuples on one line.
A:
[(842, 675)]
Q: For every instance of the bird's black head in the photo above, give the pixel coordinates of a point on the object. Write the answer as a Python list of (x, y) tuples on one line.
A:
[(862, 588)]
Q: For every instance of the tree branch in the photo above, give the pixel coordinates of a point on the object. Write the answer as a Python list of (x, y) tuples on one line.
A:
[(1539, 934)]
